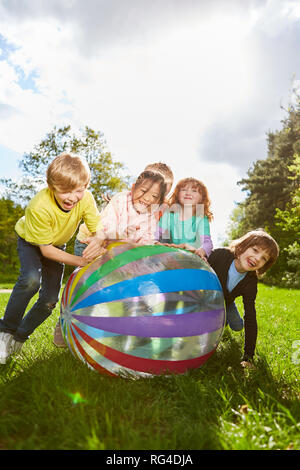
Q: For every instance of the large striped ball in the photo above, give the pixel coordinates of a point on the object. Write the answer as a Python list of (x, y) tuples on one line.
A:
[(143, 310)]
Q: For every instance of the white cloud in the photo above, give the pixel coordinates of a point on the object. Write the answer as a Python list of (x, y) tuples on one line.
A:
[(155, 80)]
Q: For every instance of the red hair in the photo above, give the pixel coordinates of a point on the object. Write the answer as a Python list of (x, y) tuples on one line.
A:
[(202, 189)]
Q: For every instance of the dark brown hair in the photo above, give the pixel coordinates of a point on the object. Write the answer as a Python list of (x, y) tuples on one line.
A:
[(259, 238), (154, 178)]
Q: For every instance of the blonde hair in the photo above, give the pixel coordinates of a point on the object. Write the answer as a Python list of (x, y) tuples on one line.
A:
[(202, 189), (259, 238), (163, 169), (68, 171)]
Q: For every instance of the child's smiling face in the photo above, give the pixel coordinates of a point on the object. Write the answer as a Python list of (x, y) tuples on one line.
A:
[(189, 195), (68, 199), (252, 259), (146, 194)]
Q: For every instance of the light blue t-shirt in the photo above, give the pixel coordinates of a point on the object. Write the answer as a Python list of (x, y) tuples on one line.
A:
[(234, 277), (192, 231)]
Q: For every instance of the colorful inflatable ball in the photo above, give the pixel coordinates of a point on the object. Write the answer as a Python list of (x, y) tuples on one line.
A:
[(143, 311)]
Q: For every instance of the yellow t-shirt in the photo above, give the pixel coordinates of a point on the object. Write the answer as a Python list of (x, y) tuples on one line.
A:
[(45, 223), (83, 233)]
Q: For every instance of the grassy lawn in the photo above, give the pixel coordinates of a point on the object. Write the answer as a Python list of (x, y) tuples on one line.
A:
[(50, 400)]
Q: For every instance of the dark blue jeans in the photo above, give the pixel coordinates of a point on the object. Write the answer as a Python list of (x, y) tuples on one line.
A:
[(79, 247), (233, 318), (37, 273)]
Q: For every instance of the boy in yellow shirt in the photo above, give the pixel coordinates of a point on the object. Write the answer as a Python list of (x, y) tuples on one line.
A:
[(51, 218)]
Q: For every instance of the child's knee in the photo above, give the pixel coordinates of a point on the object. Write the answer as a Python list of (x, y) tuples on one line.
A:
[(233, 318), (30, 282), (237, 326), (50, 306), (79, 247)]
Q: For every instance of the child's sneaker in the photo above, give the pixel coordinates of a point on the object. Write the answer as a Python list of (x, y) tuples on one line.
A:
[(58, 338), (15, 346), (5, 346)]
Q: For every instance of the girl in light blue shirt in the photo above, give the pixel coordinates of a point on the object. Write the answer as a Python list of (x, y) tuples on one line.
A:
[(186, 223)]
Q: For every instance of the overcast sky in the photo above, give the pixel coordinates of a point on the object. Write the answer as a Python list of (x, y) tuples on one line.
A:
[(194, 83)]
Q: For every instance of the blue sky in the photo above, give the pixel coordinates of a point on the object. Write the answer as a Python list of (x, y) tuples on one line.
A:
[(196, 84)]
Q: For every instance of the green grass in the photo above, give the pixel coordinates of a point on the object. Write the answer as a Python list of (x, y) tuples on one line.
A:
[(50, 400)]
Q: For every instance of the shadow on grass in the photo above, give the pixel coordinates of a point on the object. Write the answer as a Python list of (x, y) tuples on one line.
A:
[(55, 402)]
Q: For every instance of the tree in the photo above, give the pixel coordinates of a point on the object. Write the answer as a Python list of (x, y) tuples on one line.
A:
[(107, 176), (288, 221), (269, 183), (236, 226), (272, 187), (9, 214)]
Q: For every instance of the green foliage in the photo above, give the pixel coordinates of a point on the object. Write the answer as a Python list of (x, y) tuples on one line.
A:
[(237, 225), (292, 275), (107, 175), (289, 218), (273, 197), (288, 221), (9, 214), (269, 183)]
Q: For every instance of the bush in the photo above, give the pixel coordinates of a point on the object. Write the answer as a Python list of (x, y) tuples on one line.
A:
[(292, 277)]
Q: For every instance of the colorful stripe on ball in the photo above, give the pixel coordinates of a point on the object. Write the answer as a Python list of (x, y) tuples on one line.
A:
[(163, 281), (152, 366), (166, 326)]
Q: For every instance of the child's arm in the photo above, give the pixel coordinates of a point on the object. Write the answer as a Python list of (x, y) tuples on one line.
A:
[(206, 245), (163, 229), (250, 330), (107, 229), (198, 251), (148, 238), (201, 253), (95, 246), (204, 239), (250, 321), (51, 252)]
